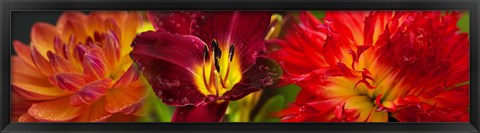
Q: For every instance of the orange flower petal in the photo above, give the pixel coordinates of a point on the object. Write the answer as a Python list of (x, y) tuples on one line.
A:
[(72, 27), (95, 23), (112, 45), (94, 65), (41, 62), (91, 92), (122, 118), (26, 118), (23, 51), (24, 73), (42, 37), (58, 110), (68, 81), (34, 92), (59, 64), (129, 30), (95, 113), (31, 84), (124, 97), (128, 77), (71, 16)]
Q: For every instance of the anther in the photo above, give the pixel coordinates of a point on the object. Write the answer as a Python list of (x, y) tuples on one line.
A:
[(231, 52), (206, 55), (217, 65), (216, 49)]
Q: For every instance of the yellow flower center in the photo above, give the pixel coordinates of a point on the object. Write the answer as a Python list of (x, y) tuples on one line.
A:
[(219, 71)]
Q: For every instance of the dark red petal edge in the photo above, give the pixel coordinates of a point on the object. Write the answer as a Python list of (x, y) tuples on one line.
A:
[(167, 62), (263, 75), (205, 112)]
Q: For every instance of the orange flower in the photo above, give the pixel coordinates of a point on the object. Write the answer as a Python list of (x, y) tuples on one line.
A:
[(377, 67), (78, 70)]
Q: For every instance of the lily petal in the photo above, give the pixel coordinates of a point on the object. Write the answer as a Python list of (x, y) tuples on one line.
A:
[(173, 22), (167, 61), (264, 74), (245, 30), (58, 110), (205, 112)]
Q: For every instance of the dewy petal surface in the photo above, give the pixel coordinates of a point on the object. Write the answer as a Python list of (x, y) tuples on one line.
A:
[(263, 75), (181, 22), (205, 112), (58, 110), (167, 61)]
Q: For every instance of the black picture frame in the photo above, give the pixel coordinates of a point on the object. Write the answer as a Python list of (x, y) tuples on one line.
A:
[(9, 6)]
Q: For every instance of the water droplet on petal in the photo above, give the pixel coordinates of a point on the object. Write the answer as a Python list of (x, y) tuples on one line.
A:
[(159, 93), (178, 25)]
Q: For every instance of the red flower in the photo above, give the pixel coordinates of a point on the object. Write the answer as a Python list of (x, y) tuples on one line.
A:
[(199, 61), (369, 66)]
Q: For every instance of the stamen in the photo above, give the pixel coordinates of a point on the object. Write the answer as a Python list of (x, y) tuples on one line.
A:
[(231, 52), (206, 57), (217, 65), (216, 49), (230, 57)]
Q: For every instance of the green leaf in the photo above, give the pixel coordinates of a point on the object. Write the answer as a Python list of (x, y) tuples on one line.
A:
[(289, 92), (318, 14), (464, 22), (156, 110), (273, 105)]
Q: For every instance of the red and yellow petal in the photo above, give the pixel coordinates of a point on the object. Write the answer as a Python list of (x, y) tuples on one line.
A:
[(91, 92)]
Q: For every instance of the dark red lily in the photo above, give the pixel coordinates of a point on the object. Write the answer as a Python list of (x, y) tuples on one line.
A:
[(199, 61)]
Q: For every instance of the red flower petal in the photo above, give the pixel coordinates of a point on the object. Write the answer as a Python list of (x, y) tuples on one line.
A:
[(167, 62), (245, 30), (173, 22), (205, 112), (264, 74)]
